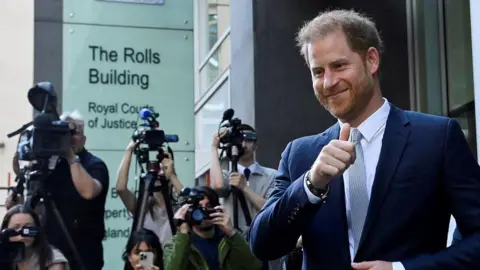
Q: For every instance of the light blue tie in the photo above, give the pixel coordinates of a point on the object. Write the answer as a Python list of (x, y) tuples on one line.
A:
[(357, 181)]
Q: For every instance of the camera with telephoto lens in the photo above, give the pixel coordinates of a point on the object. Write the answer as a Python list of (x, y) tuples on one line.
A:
[(196, 214), (48, 136)]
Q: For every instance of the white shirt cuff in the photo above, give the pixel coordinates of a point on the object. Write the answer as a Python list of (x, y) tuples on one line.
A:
[(311, 197), (397, 266)]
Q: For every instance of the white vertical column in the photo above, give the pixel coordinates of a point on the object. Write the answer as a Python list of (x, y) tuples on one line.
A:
[(16, 77), (475, 26)]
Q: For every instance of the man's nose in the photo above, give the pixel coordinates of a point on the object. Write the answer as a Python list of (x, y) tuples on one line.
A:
[(329, 80)]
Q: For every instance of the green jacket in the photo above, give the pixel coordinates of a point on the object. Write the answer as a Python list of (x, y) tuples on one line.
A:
[(234, 254)]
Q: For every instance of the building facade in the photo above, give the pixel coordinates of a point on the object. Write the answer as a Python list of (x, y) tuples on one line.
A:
[(107, 59)]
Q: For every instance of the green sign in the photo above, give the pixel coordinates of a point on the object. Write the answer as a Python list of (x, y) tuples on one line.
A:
[(109, 75), (173, 14), (111, 79)]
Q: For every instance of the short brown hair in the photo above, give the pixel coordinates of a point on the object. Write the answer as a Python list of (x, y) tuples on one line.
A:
[(359, 30)]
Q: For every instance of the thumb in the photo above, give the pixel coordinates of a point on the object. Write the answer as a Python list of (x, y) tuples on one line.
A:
[(345, 132)]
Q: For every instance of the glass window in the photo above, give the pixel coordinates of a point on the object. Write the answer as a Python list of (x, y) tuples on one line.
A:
[(427, 40), (215, 66), (214, 21), (461, 104), (459, 53), (206, 123), (213, 26), (442, 57)]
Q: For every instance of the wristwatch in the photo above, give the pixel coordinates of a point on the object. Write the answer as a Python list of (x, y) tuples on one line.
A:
[(75, 160), (322, 193)]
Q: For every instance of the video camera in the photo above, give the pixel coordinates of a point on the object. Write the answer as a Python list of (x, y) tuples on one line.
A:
[(196, 214), (14, 251), (151, 135), (48, 136), (234, 135)]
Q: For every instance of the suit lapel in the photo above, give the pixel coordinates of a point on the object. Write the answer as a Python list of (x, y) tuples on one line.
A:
[(394, 141)]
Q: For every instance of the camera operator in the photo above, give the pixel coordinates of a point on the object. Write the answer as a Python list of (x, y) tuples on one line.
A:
[(156, 218), (213, 244), (254, 180), (78, 186)]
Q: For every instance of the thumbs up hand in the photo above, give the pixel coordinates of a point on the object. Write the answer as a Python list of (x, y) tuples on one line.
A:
[(333, 160)]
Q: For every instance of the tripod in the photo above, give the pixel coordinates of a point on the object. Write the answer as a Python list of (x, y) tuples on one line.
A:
[(237, 195), (147, 187), (35, 191)]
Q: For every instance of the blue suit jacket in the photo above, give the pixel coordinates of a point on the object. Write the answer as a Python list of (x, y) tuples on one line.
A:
[(425, 173)]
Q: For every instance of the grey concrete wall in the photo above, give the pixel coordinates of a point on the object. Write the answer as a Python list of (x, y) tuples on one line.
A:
[(48, 44)]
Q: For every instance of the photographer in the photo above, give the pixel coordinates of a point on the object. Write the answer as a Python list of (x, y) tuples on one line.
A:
[(254, 180), (78, 186), (213, 244), (156, 218)]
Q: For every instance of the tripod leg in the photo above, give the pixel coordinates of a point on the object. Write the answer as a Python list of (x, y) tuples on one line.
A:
[(235, 209), (168, 205), (58, 217), (142, 210), (245, 210)]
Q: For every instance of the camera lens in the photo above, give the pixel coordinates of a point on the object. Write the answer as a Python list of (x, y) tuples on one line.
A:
[(198, 215)]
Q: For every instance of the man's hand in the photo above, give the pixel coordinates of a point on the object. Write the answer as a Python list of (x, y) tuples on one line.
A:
[(168, 166), (180, 214), (238, 180), (334, 159), (216, 138), (10, 202), (375, 265), (222, 220)]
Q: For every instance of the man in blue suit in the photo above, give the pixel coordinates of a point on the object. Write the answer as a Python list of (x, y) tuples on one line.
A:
[(376, 190)]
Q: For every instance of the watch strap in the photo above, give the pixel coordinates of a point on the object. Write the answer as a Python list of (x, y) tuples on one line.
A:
[(322, 193), (75, 160)]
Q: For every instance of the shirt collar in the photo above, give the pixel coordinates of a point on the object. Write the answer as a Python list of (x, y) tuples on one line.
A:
[(254, 168), (374, 122)]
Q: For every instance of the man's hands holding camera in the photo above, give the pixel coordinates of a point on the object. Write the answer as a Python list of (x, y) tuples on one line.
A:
[(216, 138), (222, 220), (180, 215), (219, 218), (333, 160)]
